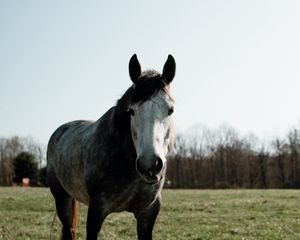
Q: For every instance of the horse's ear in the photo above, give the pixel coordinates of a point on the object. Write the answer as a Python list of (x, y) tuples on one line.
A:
[(134, 68), (169, 69)]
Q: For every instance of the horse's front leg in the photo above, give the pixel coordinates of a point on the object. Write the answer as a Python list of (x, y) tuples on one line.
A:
[(95, 218), (146, 219)]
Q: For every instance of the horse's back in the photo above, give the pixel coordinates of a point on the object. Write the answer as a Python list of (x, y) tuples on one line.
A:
[(68, 149)]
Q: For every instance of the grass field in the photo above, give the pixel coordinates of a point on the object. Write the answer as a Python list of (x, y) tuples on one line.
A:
[(27, 213)]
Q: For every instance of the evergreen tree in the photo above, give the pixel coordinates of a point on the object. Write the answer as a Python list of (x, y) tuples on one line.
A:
[(25, 166)]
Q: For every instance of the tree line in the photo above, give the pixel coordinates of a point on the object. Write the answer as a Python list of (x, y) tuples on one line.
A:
[(223, 159), (203, 158)]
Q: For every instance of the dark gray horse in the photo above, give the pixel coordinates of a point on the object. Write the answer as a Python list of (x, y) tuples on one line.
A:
[(117, 163)]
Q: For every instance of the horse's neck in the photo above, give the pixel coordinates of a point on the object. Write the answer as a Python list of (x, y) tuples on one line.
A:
[(114, 129), (123, 133)]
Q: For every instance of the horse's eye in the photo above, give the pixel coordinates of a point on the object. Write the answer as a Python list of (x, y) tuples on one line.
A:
[(171, 110), (131, 111)]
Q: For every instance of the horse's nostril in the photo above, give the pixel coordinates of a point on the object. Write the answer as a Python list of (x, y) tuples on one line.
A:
[(151, 171), (158, 165)]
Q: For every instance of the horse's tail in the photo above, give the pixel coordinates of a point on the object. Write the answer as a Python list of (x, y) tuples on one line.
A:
[(75, 208)]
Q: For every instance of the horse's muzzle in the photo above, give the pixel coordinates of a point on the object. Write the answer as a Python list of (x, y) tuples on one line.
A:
[(151, 173)]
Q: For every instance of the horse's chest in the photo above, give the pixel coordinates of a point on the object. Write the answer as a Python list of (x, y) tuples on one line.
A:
[(130, 198)]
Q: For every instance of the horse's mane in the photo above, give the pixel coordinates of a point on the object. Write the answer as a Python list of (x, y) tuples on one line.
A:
[(149, 83)]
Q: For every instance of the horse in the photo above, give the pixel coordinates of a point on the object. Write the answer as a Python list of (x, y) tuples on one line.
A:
[(117, 163)]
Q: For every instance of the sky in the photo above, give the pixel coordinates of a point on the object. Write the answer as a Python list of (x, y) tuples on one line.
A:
[(238, 62)]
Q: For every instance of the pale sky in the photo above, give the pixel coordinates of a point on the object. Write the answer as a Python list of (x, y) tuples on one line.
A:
[(238, 62)]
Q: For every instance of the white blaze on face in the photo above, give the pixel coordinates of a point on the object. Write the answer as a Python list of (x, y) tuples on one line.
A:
[(151, 124)]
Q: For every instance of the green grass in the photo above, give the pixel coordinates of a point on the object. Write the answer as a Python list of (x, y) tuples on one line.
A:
[(27, 213)]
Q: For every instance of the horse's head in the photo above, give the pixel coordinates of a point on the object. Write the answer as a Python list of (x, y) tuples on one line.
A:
[(151, 109)]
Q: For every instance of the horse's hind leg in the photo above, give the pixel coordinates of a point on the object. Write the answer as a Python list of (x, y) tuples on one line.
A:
[(66, 208)]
